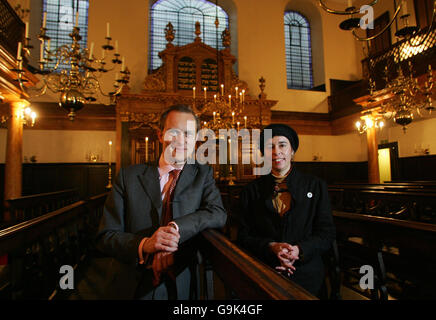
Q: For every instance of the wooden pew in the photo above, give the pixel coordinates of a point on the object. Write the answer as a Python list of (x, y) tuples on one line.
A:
[(402, 203), (27, 207), (37, 248), (401, 253)]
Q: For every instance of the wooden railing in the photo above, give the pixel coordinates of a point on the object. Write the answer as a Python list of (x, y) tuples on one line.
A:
[(36, 249), (11, 28), (400, 252), (28, 207), (415, 202), (245, 276), (400, 54)]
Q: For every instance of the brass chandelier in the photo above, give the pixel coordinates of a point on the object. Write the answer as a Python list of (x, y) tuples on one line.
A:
[(354, 22), (75, 73), (226, 109), (403, 97), (410, 97)]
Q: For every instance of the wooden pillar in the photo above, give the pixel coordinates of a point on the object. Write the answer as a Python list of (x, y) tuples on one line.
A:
[(373, 170), (117, 142), (14, 155)]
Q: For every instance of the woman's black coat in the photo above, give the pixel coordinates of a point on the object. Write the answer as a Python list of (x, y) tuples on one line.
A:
[(308, 223)]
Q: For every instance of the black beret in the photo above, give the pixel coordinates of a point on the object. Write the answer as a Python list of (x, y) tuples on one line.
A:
[(279, 129)]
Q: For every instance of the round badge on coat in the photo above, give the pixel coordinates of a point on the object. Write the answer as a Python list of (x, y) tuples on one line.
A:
[(309, 194)]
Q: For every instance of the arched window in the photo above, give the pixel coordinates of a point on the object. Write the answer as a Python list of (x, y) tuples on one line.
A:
[(61, 20), (298, 51), (183, 14)]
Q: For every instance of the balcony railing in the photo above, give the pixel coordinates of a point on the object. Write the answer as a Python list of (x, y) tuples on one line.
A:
[(400, 54), (11, 28)]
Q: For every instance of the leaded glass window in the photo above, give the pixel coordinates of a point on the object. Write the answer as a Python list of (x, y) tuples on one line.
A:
[(298, 51), (183, 14), (61, 18)]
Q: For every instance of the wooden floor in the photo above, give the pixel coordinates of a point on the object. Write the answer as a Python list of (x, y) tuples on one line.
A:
[(349, 294)]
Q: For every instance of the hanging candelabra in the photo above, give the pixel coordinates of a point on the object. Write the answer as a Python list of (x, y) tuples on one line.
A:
[(354, 22), (72, 71)]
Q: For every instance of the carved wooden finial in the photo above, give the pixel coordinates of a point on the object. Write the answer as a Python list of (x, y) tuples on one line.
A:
[(197, 31), (225, 36), (262, 94), (169, 33)]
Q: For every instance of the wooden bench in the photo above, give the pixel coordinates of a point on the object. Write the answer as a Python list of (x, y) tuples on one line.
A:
[(400, 252), (401, 203), (37, 248), (27, 207)]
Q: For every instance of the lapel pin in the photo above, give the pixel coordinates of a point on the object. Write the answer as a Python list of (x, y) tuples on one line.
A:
[(309, 194)]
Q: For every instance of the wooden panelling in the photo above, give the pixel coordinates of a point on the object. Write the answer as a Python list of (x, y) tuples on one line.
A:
[(417, 168), (304, 122), (91, 117), (333, 172), (89, 179), (307, 123)]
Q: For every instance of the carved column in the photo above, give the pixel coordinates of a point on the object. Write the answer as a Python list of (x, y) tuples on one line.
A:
[(228, 64), (14, 155), (118, 140), (170, 73), (373, 169)]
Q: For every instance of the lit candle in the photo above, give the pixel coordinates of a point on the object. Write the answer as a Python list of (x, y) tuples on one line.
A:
[(116, 46), (245, 121), (110, 152), (230, 100), (44, 20), (41, 49), (33, 116), (240, 97), (238, 124), (193, 92), (405, 11), (243, 96), (230, 150), (222, 89), (233, 117), (107, 30), (77, 19), (214, 114), (205, 93), (123, 64), (214, 98), (91, 50), (27, 30), (146, 149), (205, 123), (19, 51), (236, 89)]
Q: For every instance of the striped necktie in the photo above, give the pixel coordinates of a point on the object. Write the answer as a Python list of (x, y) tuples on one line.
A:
[(167, 214)]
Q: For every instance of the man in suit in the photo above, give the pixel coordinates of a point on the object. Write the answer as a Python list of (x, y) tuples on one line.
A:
[(153, 213)]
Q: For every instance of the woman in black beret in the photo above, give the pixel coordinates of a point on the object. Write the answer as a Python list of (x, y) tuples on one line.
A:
[(286, 216)]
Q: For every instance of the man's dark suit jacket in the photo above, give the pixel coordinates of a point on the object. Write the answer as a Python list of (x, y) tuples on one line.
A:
[(309, 224), (133, 210)]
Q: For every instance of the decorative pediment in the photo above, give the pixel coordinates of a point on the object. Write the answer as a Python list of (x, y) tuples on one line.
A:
[(193, 65)]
